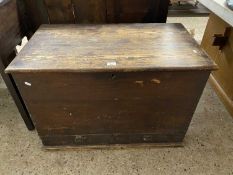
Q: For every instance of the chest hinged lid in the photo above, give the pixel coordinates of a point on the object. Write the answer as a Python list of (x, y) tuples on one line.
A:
[(120, 47)]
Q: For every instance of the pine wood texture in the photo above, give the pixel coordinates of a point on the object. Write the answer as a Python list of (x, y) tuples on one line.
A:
[(222, 79), (129, 47)]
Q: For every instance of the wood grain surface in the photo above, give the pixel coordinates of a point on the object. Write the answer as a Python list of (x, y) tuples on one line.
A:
[(126, 47), (10, 37), (91, 11), (222, 79), (60, 11), (34, 13), (111, 84), (111, 107), (130, 10), (10, 34)]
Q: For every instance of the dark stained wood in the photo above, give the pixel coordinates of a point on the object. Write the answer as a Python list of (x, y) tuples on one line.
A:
[(105, 108), (60, 11), (161, 16), (90, 11), (34, 13), (15, 94), (10, 36), (111, 84), (128, 11), (101, 48), (106, 139)]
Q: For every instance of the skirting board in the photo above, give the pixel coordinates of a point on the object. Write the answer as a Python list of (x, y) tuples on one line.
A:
[(113, 146)]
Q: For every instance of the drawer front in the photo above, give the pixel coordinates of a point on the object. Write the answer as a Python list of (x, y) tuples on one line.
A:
[(105, 139), (108, 103)]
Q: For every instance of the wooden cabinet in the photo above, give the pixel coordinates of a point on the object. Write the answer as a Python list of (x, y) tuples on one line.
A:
[(222, 54), (40, 12), (111, 84), (131, 11), (10, 36)]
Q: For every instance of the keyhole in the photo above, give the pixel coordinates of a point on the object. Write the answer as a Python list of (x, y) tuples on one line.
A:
[(113, 76)]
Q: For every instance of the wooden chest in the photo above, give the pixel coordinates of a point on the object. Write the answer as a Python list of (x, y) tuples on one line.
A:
[(111, 84)]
